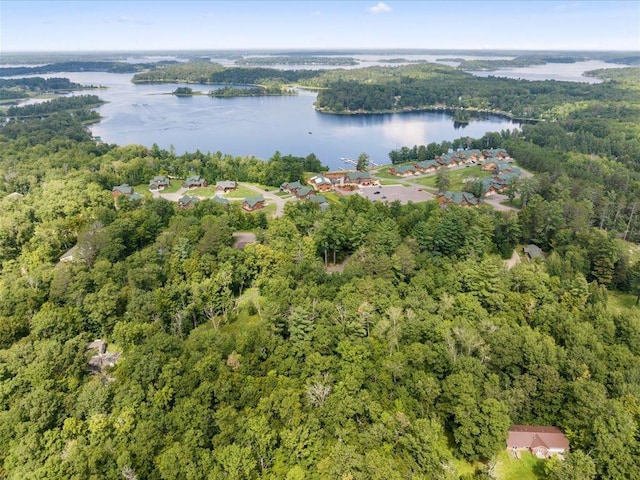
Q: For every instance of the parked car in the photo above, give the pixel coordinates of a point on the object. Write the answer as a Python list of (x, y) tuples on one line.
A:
[(376, 192)]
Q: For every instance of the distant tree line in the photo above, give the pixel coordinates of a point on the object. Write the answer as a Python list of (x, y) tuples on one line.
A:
[(55, 105)]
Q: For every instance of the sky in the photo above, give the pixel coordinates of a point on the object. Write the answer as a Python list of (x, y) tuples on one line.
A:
[(136, 25)]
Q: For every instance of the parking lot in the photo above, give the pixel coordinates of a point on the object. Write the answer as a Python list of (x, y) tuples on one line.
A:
[(389, 193)]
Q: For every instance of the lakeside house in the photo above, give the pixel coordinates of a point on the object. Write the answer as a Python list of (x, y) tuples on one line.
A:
[(541, 441), (403, 170), (321, 183), (251, 204), (226, 186), (159, 182), (489, 159), (194, 181)]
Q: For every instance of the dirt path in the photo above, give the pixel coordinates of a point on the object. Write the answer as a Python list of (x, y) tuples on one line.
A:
[(513, 261)]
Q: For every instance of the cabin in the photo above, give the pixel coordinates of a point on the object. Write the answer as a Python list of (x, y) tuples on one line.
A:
[(124, 189), (358, 178), (251, 204), (447, 160), (220, 200), (159, 182), (541, 441), (427, 166), (403, 170), (533, 252), (304, 192), (194, 181), (490, 164), (226, 186), (462, 199), (187, 201), (291, 187)]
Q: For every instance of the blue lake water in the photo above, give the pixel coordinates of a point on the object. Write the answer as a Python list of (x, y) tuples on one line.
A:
[(259, 126), (148, 114)]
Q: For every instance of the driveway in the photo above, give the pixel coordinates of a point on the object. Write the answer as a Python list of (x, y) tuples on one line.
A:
[(494, 201)]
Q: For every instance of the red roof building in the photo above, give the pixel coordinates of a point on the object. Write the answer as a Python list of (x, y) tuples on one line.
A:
[(542, 442)]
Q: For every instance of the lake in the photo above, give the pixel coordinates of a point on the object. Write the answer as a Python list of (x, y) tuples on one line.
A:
[(259, 126)]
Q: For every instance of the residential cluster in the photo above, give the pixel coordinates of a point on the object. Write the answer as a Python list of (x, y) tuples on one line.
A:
[(462, 157)]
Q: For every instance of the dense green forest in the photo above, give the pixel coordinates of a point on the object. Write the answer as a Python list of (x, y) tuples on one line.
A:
[(79, 66), (78, 102), (255, 363), (297, 60), (198, 71)]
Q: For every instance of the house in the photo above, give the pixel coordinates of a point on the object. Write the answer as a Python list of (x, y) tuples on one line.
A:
[(194, 181), (226, 186), (533, 252), (358, 178), (447, 160), (291, 187), (403, 170), (159, 182), (319, 199), (463, 199), (187, 202), (321, 183), (499, 153), (504, 167), (253, 203), (490, 164), (427, 166), (541, 441), (124, 189), (304, 192), (220, 200)]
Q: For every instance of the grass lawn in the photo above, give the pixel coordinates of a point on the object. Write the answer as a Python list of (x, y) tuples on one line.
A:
[(332, 197), (528, 467), (240, 192), (174, 187), (463, 467), (384, 174), (142, 190), (620, 302), (456, 177), (390, 182)]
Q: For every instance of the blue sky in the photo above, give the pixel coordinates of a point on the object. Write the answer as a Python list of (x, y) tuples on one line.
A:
[(180, 25)]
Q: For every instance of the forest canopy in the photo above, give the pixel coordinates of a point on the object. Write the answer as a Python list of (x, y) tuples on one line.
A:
[(256, 363)]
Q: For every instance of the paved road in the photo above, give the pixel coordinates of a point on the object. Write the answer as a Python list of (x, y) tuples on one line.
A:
[(494, 201), (173, 197)]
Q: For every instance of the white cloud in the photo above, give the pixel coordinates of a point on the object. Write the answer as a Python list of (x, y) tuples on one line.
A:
[(381, 7), (138, 21)]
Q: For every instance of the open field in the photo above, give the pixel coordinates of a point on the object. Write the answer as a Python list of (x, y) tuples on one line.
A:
[(457, 177)]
